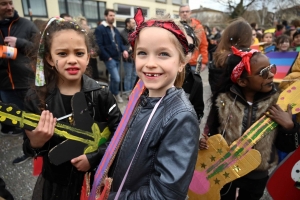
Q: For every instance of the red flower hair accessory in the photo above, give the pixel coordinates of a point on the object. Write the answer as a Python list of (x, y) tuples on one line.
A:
[(244, 64), (168, 25)]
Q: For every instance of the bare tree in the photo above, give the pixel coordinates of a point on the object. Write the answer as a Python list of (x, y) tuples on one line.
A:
[(237, 8)]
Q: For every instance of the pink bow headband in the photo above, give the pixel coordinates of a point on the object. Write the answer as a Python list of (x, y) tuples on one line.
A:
[(168, 25)]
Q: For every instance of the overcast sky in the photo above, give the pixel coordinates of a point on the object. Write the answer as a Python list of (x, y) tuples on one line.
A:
[(195, 4)]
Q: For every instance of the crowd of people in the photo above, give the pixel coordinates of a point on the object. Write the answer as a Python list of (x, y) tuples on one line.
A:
[(284, 37), (158, 153)]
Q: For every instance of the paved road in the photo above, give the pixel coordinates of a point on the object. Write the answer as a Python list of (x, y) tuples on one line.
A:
[(19, 179)]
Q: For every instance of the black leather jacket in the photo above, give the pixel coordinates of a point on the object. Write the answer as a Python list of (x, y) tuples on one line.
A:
[(164, 164), (103, 100), (17, 74)]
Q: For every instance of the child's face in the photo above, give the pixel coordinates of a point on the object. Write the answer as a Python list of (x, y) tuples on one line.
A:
[(157, 60), (69, 55), (284, 46), (268, 38), (297, 40), (255, 82)]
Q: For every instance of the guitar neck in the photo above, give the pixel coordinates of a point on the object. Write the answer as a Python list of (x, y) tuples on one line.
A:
[(13, 116)]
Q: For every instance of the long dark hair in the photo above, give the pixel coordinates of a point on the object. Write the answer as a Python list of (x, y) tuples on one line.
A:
[(51, 74), (238, 34)]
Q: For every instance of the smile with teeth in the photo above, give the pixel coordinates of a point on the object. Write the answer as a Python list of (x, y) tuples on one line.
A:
[(152, 75)]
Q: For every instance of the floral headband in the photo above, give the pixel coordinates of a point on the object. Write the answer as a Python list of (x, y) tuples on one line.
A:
[(168, 25), (39, 74), (244, 64)]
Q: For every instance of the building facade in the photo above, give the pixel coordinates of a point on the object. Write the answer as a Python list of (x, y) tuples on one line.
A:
[(210, 17), (93, 10)]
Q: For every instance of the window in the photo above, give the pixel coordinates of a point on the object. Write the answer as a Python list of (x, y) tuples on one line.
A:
[(75, 8), (144, 10), (62, 6), (38, 8), (176, 16), (177, 2), (129, 11), (90, 9), (124, 10), (161, 1), (160, 12)]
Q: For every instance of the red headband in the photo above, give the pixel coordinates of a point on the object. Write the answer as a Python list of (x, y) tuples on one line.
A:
[(244, 64), (168, 25)]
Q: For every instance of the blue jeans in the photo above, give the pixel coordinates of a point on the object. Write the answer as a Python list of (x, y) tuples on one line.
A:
[(129, 75), (112, 67), (15, 97)]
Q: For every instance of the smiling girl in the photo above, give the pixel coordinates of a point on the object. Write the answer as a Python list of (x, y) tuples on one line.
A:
[(165, 144), (61, 63)]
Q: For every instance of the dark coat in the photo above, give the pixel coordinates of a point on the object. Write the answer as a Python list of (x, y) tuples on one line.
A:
[(18, 74), (124, 35), (164, 164), (107, 46), (64, 174)]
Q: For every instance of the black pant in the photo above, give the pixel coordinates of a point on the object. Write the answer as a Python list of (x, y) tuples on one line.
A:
[(249, 189), (3, 192)]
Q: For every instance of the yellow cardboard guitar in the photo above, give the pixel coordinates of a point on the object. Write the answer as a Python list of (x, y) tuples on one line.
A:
[(221, 164)]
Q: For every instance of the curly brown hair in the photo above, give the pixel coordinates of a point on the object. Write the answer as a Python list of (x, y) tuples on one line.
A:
[(51, 74)]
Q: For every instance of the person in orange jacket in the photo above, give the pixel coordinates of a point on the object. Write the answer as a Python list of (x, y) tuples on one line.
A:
[(185, 15)]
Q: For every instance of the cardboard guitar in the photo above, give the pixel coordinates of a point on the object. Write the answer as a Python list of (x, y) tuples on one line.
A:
[(100, 178), (284, 182), (84, 137), (221, 164)]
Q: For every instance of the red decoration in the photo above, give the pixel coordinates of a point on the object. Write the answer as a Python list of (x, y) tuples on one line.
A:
[(168, 25), (244, 64)]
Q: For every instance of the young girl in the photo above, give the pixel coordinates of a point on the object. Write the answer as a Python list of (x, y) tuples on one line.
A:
[(282, 43), (64, 56), (164, 162), (296, 40), (247, 93), (238, 34), (268, 43)]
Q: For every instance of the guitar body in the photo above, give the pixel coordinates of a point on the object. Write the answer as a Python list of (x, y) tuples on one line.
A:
[(284, 182), (70, 149), (100, 178), (84, 137), (207, 177), (221, 164)]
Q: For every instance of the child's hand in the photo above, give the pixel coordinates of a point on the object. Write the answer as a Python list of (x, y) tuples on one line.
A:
[(280, 117), (203, 142), (44, 130), (81, 163)]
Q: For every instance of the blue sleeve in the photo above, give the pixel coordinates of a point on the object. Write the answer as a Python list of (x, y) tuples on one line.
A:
[(100, 41)]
